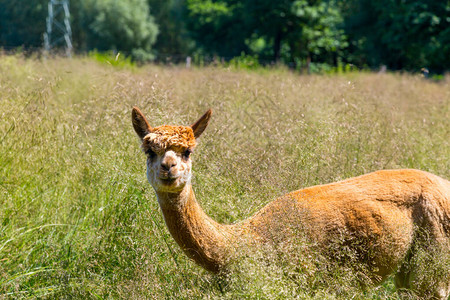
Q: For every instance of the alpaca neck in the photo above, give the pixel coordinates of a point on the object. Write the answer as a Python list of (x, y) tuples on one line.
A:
[(201, 238)]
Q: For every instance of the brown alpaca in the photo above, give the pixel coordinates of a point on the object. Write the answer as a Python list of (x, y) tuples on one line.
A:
[(385, 212)]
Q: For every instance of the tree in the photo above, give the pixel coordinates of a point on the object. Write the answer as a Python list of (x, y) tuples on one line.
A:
[(291, 29), (22, 23), (124, 25), (173, 39), (400, 34), (217, 27), (270, 20), (317, 34), (296, 30)]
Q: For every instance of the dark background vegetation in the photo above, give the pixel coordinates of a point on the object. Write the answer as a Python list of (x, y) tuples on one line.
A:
[(314, 34)]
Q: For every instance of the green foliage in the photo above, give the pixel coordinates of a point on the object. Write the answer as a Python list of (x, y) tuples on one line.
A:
[(22, 24), (109, 58), (245, 62), (400, 34), (119, 25), (298, 29), (218, 27), (124, 25), (174, 37), (320, 26), (270, 29)]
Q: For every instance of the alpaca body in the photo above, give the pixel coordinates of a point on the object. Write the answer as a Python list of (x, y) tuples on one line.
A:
[(385, 210), (382, 216)]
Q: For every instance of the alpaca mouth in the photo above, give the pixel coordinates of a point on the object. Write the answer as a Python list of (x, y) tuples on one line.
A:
[(167, 180)]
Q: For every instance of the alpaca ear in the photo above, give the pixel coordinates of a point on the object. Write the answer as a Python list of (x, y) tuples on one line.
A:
[(140, 123), (199, 126)]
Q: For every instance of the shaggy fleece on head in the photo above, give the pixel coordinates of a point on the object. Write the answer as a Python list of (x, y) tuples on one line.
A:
[(163, 138)]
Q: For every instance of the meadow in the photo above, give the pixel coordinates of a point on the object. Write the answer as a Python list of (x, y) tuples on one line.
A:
[(78, 218)]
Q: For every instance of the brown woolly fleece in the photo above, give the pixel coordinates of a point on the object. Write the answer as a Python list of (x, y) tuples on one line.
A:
[(385, 211), (166, 137)]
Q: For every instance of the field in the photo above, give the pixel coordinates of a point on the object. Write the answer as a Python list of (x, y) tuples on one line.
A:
[(79, 219)]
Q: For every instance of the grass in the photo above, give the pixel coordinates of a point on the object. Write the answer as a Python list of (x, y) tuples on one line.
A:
[(79, 220)]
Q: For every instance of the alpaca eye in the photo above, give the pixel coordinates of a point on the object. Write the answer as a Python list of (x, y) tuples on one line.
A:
[(187, 153), (150, 153)]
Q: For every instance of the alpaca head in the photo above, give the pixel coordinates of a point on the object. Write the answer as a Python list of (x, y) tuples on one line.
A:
[(168, 150)]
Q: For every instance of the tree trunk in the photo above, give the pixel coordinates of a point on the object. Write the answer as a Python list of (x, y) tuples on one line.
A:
[(277, 47), (308, 63)]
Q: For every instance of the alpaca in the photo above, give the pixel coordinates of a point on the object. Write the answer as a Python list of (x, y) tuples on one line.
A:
[(386, 211)]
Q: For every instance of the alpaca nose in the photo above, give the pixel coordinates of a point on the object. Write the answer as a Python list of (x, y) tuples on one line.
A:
[(168, 163)]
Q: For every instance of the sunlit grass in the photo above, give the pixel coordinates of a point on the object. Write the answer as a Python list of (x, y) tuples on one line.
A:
[(78, 218)]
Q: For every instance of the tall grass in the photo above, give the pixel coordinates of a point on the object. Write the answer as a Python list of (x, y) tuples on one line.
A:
[(79, 220)]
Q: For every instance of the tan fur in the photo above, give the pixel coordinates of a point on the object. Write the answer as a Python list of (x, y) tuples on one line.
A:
[(384, 211), (167, 137)]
